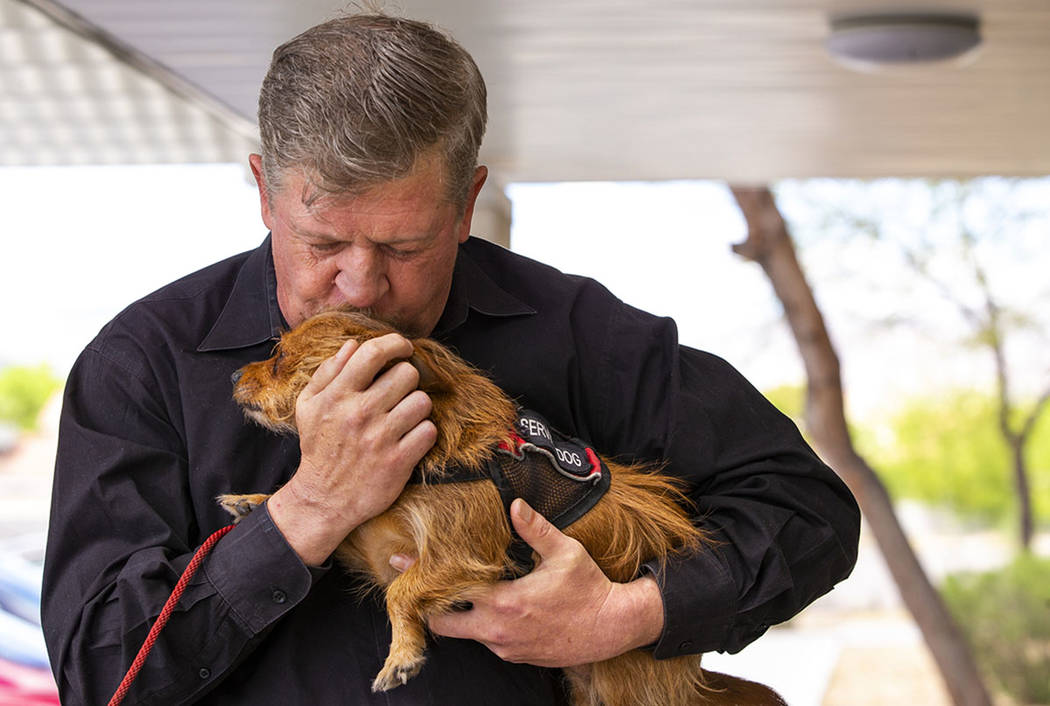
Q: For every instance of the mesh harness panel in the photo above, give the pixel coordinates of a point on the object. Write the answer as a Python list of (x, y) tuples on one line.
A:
[(558, 476)]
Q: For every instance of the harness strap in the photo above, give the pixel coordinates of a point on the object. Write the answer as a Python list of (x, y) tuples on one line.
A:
[(561, 477)]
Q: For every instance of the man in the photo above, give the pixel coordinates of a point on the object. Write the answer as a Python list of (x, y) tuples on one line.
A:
[(367, 180)]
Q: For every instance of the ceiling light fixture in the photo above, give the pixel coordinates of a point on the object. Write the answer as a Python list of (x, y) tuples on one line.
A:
[(869, 40)]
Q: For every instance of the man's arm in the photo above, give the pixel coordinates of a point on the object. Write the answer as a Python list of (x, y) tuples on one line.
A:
[(785, 526), (123, 528), (122, 531)]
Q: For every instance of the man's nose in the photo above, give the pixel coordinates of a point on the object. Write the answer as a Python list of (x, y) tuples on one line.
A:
[(362, 277)]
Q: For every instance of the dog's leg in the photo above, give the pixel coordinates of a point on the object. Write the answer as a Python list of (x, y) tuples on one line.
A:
[(408, 638), (240, 505), (424, 589)]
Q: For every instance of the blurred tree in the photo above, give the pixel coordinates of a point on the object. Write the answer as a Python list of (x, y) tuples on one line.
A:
[(790, 400), (1005, 616), (947, 450), (24, 390), (965, 244), (769, 244)]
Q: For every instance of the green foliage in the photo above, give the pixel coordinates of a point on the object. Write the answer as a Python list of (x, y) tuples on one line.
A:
[(23, 392), (790, 400), (1006, 617), (949, 452)]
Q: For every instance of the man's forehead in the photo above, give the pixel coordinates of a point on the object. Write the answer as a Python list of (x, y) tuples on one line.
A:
[(345, 218), (429, 173)]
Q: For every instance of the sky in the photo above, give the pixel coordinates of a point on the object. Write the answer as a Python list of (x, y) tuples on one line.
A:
[(81, 243)]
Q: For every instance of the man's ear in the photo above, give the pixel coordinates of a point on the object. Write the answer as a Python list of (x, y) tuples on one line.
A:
[(255, 162), (480, 174)]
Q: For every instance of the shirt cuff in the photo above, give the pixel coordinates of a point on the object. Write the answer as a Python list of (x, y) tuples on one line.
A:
[(699, 603), (258, 573)]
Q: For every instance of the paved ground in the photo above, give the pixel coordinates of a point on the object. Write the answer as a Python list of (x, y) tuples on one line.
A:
[(854, 647), (858, 646)]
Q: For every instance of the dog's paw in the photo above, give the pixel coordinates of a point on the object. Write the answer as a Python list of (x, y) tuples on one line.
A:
[(397, 674), (240, 505)]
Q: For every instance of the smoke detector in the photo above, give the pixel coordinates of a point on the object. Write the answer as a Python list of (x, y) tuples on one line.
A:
[(870, 40)]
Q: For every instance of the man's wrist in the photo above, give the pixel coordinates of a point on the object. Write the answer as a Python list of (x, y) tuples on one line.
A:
[(640, 612), (305, 525)]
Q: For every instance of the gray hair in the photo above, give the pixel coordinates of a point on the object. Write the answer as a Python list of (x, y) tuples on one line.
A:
[(355, 101)]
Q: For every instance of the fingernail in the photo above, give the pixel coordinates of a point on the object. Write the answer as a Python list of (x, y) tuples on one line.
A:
[(400, 562), (524, 511)]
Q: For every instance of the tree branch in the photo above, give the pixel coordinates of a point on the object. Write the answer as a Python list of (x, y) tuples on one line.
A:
[(769, 244)]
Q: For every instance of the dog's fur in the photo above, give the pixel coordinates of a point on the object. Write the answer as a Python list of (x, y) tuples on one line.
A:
[(460, 533)]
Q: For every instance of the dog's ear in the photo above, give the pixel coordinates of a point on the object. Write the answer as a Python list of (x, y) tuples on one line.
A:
[(472, 414), (437, 367)]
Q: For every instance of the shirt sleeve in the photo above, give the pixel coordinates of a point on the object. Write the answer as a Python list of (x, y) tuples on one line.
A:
[(784, 526), (122, 531)]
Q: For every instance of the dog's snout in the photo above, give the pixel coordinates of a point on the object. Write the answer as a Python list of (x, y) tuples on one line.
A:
[(236, 375)]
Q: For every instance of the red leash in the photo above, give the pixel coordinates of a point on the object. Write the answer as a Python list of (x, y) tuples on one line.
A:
[(165, 614)]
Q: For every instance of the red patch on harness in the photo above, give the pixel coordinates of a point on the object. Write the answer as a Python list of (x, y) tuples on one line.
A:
[(569, 457)]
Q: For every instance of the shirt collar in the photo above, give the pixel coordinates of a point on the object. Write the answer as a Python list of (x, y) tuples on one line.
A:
[(474, 289), (242, 321)]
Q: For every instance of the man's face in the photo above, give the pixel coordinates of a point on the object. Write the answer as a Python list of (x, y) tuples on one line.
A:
[(388, 252)]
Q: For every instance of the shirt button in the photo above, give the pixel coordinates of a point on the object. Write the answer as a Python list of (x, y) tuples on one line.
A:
[(204, 673), (278, 596), (685, 645)]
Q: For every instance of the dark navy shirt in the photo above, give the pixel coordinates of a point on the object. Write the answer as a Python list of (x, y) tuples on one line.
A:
[(150, 436)]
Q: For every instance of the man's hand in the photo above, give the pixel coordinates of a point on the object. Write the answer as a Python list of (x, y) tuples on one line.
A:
[(565, 613), (361, 434)]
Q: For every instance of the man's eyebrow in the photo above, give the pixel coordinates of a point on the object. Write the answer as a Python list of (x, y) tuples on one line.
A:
[(315, 235), (307, 232), (408, 239)]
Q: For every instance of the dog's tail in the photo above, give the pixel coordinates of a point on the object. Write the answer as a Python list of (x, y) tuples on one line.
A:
[(727, 689), (636, 679)]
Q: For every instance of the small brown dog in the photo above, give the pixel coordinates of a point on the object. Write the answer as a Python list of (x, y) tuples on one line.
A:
[(460, 532)]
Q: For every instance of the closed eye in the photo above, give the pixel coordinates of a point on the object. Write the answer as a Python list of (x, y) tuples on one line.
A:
[(401, 253), (326, 247)]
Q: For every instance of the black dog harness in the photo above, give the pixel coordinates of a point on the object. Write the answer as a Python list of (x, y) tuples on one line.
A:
[(558, 476)]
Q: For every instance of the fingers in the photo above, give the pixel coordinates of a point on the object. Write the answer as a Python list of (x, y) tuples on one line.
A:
[(371, 367), (546, 539), (327, 371), (372, 357), (369, 371), (477, 624), (418, 440)]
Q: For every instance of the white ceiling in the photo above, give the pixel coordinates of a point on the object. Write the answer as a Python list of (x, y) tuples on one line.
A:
[(628, 90)]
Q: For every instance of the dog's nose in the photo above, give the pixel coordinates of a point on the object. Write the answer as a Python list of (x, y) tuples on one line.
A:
[(236, 375)]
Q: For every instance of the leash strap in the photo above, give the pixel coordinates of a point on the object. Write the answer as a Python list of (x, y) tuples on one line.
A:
[(165, 615)]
